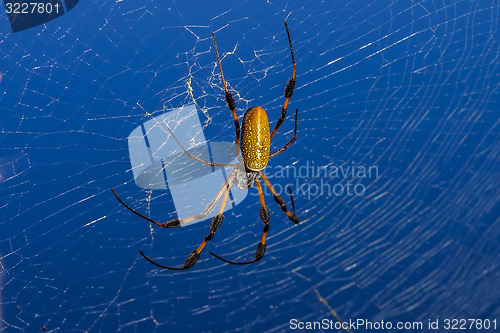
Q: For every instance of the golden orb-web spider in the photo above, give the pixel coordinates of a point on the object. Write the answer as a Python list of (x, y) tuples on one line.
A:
[(255, 148)]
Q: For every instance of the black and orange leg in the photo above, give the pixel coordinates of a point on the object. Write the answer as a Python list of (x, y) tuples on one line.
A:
[(288, 89), (292, 140), (279, 200), (261, 247), (177, 222), (231, 104), (195, 255)]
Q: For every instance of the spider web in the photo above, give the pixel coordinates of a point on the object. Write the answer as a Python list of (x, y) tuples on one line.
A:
[(408, 87)]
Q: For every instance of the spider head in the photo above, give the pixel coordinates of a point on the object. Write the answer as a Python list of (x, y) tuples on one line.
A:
[(244, 178)]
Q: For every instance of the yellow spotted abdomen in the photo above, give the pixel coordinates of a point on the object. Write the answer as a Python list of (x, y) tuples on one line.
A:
[(255, 139)]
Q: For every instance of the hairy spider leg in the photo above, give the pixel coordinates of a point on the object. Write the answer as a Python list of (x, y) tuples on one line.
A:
[(292, 140), (195, 255), (261, 246), (174, 223), (288, 89), (279, 200), (231, 104)]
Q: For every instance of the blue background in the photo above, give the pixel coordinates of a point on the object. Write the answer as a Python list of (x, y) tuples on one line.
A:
[(409, 87)]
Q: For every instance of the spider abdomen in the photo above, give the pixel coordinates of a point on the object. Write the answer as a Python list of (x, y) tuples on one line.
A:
[(255, 139)]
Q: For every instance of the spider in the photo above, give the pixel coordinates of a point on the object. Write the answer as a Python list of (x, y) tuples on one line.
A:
[(252, 155)]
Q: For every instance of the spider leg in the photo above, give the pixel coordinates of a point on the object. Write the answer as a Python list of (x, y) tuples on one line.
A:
[(231, 104), (261, 247), (288, 89), (291, 199), (194, 157), (292, 140), (137, 213), (279, 200), (178, 222), (195, 255)]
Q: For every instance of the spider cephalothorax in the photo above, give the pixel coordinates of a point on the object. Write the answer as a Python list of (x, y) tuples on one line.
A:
[(254, 141), (244, 178)]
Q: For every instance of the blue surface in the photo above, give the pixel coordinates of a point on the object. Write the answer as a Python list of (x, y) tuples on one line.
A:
[(409, 88)]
